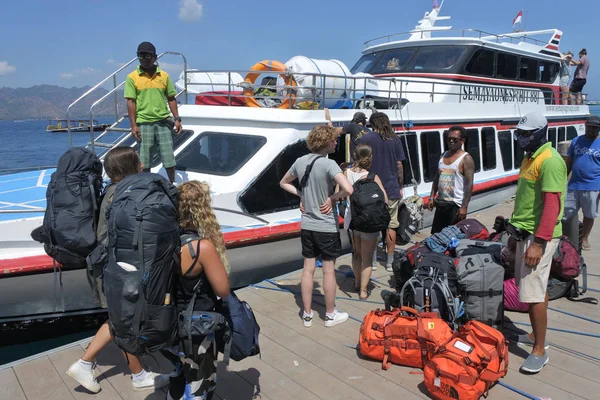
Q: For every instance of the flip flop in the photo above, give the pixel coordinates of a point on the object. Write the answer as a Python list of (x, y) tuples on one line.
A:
[(586, 247)]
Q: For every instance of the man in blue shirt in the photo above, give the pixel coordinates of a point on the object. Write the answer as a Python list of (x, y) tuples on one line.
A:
[(388, 155), (583, 161)]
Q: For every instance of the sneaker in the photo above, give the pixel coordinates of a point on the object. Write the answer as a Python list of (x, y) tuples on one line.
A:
[(534, 364), (525, 340), (151, 382), (389, 268), (374, 267), (307, 319), (85, 377), (338, 318)]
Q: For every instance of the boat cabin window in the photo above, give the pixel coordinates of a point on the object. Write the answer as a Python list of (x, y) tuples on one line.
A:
[(519, 155), (482, 63), (366, 62), (264, 195), (488, 148), (472, 147), (431, 151), (437, 58), (562, 134), (552, 136), (571, 132), (155, 161), (410, 152), (505, 140), (547, 71), (218, 153), (506, 66), (394, 60), (528, 69)]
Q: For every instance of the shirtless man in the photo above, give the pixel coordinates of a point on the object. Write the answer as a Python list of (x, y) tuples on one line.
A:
[(453, 183)]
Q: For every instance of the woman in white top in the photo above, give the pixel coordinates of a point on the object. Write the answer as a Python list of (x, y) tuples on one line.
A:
[(363, 243)]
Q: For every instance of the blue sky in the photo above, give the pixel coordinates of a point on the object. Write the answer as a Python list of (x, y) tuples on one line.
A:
[(74, 43)]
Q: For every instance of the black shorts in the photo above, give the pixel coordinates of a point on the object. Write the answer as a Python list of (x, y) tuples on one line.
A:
[(577, 85), (325, 244), (446, 214)]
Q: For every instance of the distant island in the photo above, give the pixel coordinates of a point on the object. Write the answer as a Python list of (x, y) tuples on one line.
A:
[(49, 101)]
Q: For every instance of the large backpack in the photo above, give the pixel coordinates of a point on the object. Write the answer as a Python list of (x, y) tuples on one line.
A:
[(566, 262), (144, 243), (367, 204), (481, 282), (69, 228), (473, 229), (245, 329), (433, 287)]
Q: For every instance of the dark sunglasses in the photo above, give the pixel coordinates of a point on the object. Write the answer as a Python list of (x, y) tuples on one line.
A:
[(454, 140), (145, 56)]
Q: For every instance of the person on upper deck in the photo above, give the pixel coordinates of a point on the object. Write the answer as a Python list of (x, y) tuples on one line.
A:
[(453, 182), (388, 155), (583, 65), (583, 161), (565, 76), (148, 89), (536, 226), (320, 237)]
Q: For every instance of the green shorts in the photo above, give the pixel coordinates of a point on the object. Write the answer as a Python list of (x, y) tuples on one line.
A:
[(157, 134)]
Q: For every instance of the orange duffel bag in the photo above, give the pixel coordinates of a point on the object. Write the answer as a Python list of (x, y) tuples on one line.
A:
[(402, 336), (468, 364)]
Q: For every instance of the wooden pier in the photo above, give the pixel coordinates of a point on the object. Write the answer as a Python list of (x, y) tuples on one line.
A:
[(322, 363)]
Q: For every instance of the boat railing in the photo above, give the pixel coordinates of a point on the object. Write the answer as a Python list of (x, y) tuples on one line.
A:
[(463, 33)]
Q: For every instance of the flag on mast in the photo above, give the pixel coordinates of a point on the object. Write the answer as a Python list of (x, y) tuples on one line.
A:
[(518, 18)]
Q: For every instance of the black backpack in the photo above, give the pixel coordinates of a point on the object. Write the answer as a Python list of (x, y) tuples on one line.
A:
[(144, 244), (69, 228), (367, 204)]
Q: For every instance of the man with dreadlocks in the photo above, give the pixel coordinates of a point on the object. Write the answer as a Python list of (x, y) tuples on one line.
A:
[(388, 155), (536, 225)]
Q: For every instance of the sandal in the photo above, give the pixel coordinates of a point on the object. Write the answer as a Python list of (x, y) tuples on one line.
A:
[(586, 247), (365, 296)]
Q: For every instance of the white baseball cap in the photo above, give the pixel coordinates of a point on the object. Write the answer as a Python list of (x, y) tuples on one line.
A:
[(532, 121)]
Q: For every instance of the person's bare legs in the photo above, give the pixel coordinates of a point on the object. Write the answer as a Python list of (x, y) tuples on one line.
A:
[(367, 247), (329, 285), (571, 98), (391, 242), (306, 283), (100, 341), (538, 314), (171, 174), (588, 224), (356, 260), (579, 99), (564, 95)]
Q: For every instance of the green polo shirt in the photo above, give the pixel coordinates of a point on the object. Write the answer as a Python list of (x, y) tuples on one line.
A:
[(544, 171), (150, 94)]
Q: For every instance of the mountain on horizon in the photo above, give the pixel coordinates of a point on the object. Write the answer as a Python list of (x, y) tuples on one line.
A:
[(50, 101)]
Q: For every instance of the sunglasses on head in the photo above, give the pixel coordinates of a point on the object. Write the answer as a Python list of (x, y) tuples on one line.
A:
[(145, 56)]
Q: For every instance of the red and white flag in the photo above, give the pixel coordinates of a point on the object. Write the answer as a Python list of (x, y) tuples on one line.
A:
[(518, 18)]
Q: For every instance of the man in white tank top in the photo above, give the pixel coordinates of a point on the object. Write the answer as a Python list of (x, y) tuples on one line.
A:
[(453, 182)]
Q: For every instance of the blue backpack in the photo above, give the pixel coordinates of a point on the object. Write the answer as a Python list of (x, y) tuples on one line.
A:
[(244, 329)]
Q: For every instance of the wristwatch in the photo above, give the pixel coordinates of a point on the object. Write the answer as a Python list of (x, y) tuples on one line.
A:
[(178, 119)]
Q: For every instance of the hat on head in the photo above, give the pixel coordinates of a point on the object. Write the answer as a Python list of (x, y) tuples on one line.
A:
[(359, 117), (593, 121), (146, 47), (532, 121)]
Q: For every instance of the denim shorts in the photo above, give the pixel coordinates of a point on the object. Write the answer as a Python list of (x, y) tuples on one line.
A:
[(586, 200)]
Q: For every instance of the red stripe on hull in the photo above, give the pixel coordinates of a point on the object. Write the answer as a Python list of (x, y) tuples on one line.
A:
[(497, 125)]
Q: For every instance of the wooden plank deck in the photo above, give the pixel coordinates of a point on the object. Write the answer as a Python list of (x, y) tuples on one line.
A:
[(322, 363)]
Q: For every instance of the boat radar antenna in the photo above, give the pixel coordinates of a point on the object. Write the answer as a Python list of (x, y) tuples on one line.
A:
[(426, 25)]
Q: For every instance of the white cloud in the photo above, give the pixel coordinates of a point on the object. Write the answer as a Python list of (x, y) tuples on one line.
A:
[(6, 68), (110, 61), (190, 10), (79, 72), (172, 69)]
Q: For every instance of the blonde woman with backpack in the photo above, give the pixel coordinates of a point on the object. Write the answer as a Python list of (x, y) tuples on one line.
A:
[(363, 243)]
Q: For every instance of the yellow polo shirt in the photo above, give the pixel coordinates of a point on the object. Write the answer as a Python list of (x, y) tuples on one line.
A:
[(150, 94)]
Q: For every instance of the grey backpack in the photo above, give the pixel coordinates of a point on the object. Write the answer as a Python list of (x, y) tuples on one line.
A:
[(481, 283)]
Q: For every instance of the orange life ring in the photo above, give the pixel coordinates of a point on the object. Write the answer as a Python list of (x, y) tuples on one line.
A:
[(268, 65)]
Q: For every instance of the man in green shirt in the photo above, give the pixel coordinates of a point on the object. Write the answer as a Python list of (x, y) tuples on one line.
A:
[(535, 224), (148, 89)]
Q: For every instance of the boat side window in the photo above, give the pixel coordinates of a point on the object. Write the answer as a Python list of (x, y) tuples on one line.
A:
[(218, 153), (438, 58), (488, 147), (571, 132), (482, 63), (472, 147), (547, 71), (528, 69), (562, 134), (507, 66), (264, 195), (552, 136), (366, 62), (155, 161), (519, 155), (505, 140), (394, 60), (431, 151), (411, 139)]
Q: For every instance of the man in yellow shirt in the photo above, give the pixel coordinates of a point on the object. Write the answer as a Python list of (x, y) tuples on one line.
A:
[(148, 89)]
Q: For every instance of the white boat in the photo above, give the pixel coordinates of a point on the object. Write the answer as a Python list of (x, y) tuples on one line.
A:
[(426, 80)]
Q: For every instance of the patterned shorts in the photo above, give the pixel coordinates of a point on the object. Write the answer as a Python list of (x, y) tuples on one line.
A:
[(157, 134)]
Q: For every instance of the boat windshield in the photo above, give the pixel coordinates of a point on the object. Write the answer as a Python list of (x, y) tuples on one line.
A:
[(411, 59)]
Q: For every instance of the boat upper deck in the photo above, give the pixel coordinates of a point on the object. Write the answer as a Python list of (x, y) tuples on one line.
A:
[(322, 363)]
